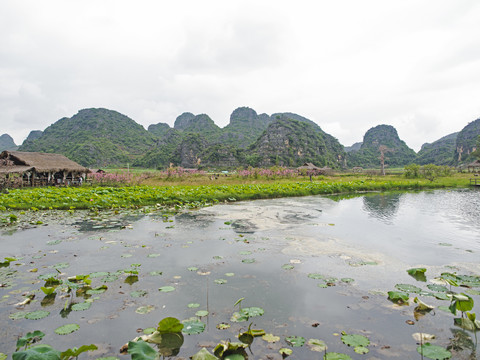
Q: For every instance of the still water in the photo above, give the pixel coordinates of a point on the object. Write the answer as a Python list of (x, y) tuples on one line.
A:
[(354, 249)]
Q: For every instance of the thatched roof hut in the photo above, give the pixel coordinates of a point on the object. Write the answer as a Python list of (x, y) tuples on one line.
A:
[(309, 167), (41, 168), (474, 166)]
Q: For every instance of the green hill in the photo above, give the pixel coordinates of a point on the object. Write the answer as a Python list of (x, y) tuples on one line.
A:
[(7, 143), (397, 155), (292, 142), (439, 152), (466, 143), (94, 137)]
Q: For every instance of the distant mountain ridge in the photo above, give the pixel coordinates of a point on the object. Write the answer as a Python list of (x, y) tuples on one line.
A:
[(100, 137), (7, 143)]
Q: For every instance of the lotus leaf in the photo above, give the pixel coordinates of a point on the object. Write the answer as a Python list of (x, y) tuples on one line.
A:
[(355, 340), (140, 350), (317, 345), (408, 288), (166, 289), (248, 261), (230, 274), (270, 338), (223, 326), (336, 356), (204, 354), (434, 352), (398, 296), (75, 352), (201, 313), (169, 325), (220, 281), (288, 267), (145, 309), (295, 341), (285, 352), (37, 352), (67, 329), (98, 290), (3, 356), (437, 287), (37, 315), (193, 305), (316, 276), (138, 293), (81, 306), (193, 326)]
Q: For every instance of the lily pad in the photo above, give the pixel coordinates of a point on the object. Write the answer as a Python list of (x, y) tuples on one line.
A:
[(145, 309), (434, 352), (229, 274), (67, 329), (336, 356), (192, 268), (201, 313), (398, 296), (153, 255), (355, 340), (248, 261), (288, 267), (223, 326), (408, 288), (317, 345), (81, 306), (37, 315), (97, 290), (193, 305), (156, 273), (18, 315), (271, 338), (295, 341), (193, 326), (166, 289), (438, 288), (169, 325), (285, 352), (417, 273), (316, 276), (138, 293), (220, 281), (98, 274)]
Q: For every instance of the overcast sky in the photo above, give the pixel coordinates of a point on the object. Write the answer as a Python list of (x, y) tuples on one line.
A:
[(348, 65)]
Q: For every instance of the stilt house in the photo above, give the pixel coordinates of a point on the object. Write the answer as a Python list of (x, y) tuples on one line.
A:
[(19, 169)]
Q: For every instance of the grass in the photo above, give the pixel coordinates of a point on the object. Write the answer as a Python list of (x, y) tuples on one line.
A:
[(202, 189)]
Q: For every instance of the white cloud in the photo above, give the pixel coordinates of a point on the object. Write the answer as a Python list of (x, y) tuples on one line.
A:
[(347, 65)]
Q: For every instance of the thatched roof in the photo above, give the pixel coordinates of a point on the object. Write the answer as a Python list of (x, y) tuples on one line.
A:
[(41, 162), (308, 166), (476, 163)]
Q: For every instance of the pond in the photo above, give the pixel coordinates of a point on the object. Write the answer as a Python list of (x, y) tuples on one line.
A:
[(318, 266)]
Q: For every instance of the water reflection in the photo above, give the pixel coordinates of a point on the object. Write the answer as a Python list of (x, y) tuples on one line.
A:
[(383, 207)]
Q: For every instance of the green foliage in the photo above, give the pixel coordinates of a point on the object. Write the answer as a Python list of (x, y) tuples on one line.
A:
[(37, 352), (29, 338)]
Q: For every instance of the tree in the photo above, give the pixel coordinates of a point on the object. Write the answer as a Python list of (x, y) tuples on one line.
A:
[(383, 150)]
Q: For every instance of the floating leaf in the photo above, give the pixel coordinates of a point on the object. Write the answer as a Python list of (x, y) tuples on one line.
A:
[(192, 268), (248, 261), (145, 309), (295, 341), (149, 330), (193, 305), (166, 289), (37, 315), (336, 356), (3, 356), (316, 276), (229, 274), (423, 337), (218, 257), (408, 288), (270, 338), (155, 273), (67, 329), (245, 252), (422, 306), (220, 281), (153, 255), (361, 349), (317, 345), (193, 326), (347, 280), (81, 306), (223, 326), (37, 352), (285, 352), (434, 352), (288, 267), (59, 266), (18, 315), (138, 293), (355, 340), (438, 288), (201, 313), (98, 290)]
